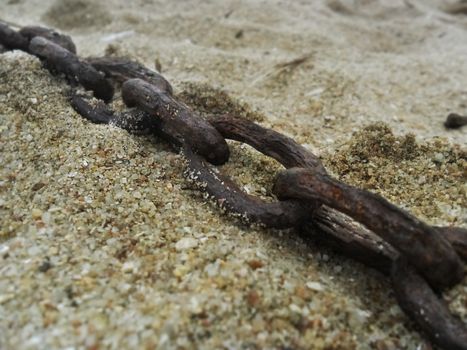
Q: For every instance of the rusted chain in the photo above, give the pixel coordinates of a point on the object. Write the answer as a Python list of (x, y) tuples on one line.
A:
[(222, 189), (326, 225), (424, 247), (315, 199), (400, 229)]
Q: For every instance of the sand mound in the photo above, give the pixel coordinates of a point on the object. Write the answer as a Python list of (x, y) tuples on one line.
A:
[(71, 14)]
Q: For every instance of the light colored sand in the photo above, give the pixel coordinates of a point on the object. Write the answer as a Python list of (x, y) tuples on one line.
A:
[(103, 243)]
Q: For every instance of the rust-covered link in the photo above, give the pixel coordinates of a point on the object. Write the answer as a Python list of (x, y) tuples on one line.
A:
[(267, 141), (11, 39), (424, 307), (228, 196), (177, 120), (62, 40), (121, 69), (424, 247), (19, 40), (60, 60)]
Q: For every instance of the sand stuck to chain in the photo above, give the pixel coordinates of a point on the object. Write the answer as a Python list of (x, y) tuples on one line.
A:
[(104, 244)]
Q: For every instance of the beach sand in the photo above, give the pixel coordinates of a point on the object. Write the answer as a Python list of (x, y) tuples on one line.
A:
[(105, 245)]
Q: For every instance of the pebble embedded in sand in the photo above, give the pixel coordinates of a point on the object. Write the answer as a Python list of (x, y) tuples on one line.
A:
[(129, 267), (358, 317), (316, 286), (36, 214), (186, 243)]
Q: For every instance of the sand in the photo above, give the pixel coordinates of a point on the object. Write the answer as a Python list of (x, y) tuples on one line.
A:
[(104, 243)]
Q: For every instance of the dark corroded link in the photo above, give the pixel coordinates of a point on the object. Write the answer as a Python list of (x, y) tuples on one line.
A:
[(430, 313), (348, 238), (11, 39), (457, 237), (269, 142), (63, 61), (232, 199), (62, 40), (454, 121), (20, 40), (99, 113), (121, 69), (177, 120), (423, 246), (134, 121)]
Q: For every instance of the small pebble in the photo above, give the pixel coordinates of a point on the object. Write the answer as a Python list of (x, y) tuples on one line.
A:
[(129, 267), (255, 264), (438, 158), (36, 214), (316, 286), (186, 243)]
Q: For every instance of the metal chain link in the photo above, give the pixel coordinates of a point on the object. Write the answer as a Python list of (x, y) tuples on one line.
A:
[(420, 259)]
